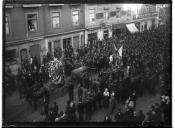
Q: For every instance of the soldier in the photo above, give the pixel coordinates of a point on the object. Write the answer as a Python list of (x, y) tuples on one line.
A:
[(80, 92), (94, 100), (119, 116), (55, 109), (46, 108), (67, 111), (71, 91), (99, 97), (88, 109), (72, 112), (133, 98), (80, 109), (140, 117), (112, 103)]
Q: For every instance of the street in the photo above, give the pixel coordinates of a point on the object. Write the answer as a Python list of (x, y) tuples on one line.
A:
[(20, 111)]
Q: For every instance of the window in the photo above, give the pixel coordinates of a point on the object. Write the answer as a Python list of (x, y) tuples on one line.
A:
[(106, 15), (55, 19), (105, 34), (112, 14), (92, 15), (11, 56), (123, 12), (145, 26), (57, 43), (75, 17), (66, 43), (99, 15), (7, 25), (23, 54), (142, 28), (118, 10), (76, 42), (32, 22), (129, 12)]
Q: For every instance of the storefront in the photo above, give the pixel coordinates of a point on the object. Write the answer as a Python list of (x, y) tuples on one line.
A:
[(92, 39), (118, 29)]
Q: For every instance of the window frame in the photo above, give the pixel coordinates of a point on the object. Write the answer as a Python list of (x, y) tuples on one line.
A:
[(113, 12), (7, 15), (52, 20), (78, 17), (91, 14), (28, 13), (118, 12), (12, 62), (100, 17)]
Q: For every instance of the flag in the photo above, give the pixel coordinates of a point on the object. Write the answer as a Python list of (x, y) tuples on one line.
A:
[(110, 59), (114, 47), (120, 51)]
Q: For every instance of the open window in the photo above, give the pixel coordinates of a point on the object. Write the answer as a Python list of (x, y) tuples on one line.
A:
[(11, 56), (32, 22)]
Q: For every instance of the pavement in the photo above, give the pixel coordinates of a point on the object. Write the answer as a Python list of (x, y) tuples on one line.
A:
[(18, 110)]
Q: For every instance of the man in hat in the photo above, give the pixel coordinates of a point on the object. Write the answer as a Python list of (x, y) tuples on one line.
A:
[(80, 92), (80, 109), (71, 90), (88, 109)]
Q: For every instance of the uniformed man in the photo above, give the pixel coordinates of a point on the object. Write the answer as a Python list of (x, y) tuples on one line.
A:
[(71, 91), (99, 97), (46, 108), (119, 116), (80, 92), (88, 109), (55, 109), (80, 109)]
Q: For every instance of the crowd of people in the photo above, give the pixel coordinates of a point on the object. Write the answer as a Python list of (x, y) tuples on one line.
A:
[(30, 80), (147, 56)]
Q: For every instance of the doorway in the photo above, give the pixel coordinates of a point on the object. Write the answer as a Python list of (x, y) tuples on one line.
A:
[(66, 42)]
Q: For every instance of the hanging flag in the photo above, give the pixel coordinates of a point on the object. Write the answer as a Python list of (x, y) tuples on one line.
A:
[(110, 59), (114, 47), (120, 51)]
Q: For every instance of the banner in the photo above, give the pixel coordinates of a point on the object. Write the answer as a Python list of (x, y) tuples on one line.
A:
[(114, 47), (120, 51)]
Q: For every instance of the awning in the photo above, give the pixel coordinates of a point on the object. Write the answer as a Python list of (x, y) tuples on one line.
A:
[(132, 28), (56, 4), (31, 5)]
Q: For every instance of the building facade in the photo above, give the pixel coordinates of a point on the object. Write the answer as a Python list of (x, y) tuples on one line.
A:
[(34, 30), (102, 20), (146, 17)]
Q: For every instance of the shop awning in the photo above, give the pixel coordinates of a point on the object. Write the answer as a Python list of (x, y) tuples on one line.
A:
[(31, 5), (132, 28)]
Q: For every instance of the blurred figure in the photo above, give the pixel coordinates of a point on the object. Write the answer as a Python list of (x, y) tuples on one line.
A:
[(107, 118), (106, 98)]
